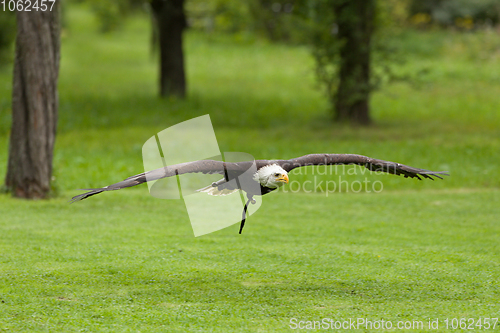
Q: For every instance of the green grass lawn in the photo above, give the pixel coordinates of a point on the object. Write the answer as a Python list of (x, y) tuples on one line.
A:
[(124, 261), (128, 263)]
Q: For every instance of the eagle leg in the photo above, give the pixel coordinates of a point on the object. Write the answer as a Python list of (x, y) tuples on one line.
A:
[(243, 216)]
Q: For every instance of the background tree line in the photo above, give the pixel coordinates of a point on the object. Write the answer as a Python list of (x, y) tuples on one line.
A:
[(311, 22), (350, 40)]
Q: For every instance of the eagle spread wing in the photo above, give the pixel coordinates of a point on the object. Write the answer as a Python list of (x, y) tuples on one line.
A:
[(368, 162), (229, 170), (233, 170)]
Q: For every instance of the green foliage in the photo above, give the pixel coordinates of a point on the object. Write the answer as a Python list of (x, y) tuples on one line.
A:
[(112, 13), (461, 13), (7, 35), (388, 49), (109, 13), (280, 21), (325, 46), (274, 20), (392, 14), (219, 16)]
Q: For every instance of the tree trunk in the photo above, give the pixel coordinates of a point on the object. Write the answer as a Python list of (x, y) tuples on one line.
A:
[(355, 28), (170, 20), (34, 103)]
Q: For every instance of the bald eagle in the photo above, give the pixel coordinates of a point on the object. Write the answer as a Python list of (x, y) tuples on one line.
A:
[(270, 174)]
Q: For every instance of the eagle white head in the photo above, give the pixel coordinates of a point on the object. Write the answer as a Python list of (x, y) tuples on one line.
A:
[(272, 176)]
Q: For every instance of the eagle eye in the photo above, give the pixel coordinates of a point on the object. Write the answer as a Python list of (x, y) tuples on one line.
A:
[(276, 175)]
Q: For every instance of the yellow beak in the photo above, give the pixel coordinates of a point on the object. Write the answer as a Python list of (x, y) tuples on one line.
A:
[(283, 179)]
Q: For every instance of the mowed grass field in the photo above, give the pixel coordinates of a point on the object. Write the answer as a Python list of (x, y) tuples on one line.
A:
[(125, 261)]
